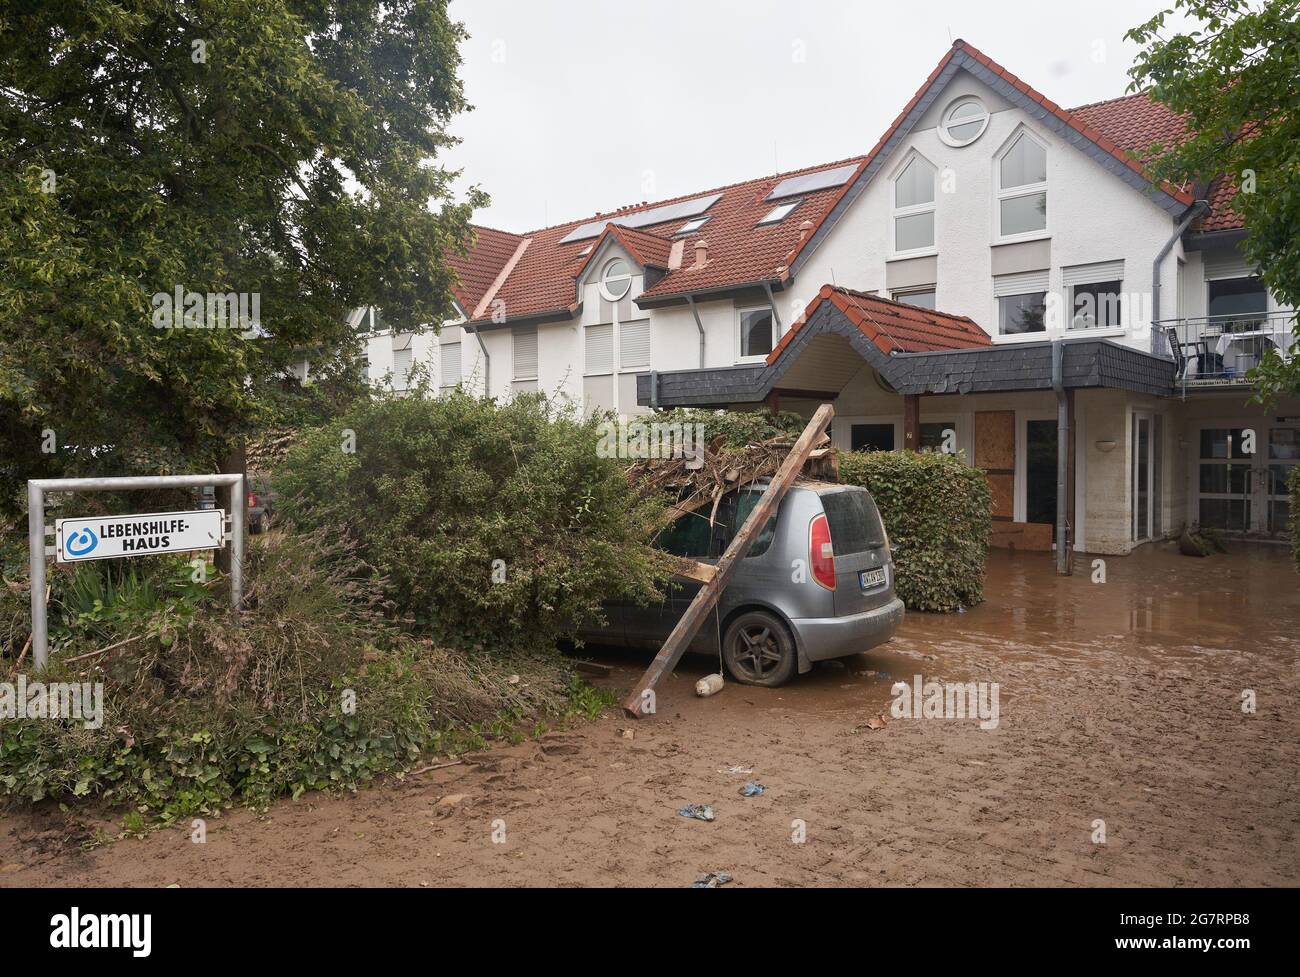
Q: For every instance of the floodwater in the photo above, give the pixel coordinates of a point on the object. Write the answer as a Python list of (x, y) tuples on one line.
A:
[(1148, 735)]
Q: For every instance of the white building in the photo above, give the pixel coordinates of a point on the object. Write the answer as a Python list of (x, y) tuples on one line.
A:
[(1024, 222)]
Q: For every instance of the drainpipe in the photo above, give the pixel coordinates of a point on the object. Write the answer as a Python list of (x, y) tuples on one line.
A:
[(690, 299), (487, 364), (1197, 209), (776, 316), (1062, 456)]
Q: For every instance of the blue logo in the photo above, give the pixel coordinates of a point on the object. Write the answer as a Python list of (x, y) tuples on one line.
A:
[(82, 542)]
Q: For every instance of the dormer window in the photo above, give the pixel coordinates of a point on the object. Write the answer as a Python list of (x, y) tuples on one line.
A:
[(964, 121), (691, 226), (780, 212), (615, 280), (1022, 188), (914, 205)]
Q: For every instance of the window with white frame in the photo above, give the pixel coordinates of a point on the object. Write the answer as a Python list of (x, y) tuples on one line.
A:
[(449, 367), (615, 280), (1022, 302), (634, 345), (920, 297), (523, 344), (756, 332), (599, 349), (1022, 187), (914, 205), (1094, 294), (964, 121)]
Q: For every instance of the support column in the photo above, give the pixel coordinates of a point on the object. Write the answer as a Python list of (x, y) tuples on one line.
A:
[(912, 422), (1069, 481)]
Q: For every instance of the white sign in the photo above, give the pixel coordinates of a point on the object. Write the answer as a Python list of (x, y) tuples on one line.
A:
[(109, 537)]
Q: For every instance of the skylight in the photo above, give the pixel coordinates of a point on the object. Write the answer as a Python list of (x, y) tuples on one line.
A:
[(808, 182), (645, 218), (780, 212), (691, 226)]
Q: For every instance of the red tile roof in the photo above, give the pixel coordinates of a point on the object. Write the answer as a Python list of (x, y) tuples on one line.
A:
[(893, 326), (740, 252), (1137, 123), (483, 260)]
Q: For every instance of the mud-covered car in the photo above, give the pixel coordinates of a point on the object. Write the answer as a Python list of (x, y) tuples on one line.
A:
[(818, 583)]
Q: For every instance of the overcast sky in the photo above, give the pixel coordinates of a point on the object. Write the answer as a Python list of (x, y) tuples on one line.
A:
[(587, 105)]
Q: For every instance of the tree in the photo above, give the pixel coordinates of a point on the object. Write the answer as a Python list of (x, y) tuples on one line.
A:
[(279, 150), (1236, 79)]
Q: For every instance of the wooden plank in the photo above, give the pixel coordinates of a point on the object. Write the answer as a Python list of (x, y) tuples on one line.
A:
[(708, 595), (692, 570)]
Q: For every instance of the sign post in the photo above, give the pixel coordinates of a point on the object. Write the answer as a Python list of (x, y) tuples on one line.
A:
[(112, 537)]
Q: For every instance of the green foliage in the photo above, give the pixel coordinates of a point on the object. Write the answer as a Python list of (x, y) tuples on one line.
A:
[(737, 428), (277, 148), (936, 511), (309, 690), (438, 490), (1233, 76), (1293, 521)]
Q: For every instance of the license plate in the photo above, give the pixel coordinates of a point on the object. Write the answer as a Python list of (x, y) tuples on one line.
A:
[(871, 578)]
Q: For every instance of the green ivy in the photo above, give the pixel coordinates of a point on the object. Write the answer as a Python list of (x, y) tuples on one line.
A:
[(937, 513)]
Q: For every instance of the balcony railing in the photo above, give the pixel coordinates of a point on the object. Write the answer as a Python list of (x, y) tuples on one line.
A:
[(1222, 349)]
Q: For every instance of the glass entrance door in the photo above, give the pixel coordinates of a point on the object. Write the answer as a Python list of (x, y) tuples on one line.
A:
[(1246, 493)]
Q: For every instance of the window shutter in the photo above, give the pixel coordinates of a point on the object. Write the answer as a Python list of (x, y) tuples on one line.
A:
[(1029, 281), (401, 368), (525, 354), (450, 364), (1101, 271), (600, 349), (634, 344)]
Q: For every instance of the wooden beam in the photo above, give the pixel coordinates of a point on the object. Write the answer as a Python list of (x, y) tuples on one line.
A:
[(708, 595), (693, 570), (912, 422)]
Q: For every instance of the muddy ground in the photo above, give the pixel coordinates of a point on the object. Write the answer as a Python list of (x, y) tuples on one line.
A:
[(1119, 702)]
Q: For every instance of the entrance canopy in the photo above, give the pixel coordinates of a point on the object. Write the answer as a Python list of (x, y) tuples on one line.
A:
[(914, 351)]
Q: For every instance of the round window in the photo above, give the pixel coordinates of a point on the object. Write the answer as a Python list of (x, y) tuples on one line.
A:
[(616, 280), (964, 121)]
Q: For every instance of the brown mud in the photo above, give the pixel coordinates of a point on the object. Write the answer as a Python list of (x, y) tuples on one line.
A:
[(1119, 702)]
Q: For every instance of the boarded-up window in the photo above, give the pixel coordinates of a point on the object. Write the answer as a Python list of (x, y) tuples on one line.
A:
[(450, 365), (600, 349), (634, 344), (525, 353)]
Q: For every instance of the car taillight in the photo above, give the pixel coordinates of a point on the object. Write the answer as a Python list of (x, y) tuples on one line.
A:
[(821, 555), (252, 500)]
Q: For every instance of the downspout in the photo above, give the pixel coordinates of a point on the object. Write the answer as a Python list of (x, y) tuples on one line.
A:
[(776, 316), (1062, 456), (487, 364), (699, 326), (1198, 208)]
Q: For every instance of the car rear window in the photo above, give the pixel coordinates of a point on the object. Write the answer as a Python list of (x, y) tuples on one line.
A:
[(854, 521)]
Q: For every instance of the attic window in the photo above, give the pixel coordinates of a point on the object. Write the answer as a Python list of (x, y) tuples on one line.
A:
[(615, 280), (779, 213), (585, 251), (964, 121), (691, 226)]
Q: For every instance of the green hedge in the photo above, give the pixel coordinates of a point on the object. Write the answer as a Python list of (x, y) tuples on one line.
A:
[(1293, 523), (936, 510)]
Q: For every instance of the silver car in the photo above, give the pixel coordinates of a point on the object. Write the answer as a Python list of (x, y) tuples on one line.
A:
[(818, 583)]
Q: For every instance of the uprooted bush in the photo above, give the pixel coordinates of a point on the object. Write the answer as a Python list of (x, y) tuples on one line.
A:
[(311, 688), (936, 511), (495, 523)]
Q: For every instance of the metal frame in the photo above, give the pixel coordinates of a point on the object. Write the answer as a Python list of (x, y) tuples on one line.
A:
[(36, 489)]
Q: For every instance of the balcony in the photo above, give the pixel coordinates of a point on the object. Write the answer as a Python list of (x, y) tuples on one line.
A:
[(1220, 350)]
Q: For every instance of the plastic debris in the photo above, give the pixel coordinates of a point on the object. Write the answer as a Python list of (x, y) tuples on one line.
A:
[(737, 769), (711, 881), (700, 812), (752, 789), (873, 724)]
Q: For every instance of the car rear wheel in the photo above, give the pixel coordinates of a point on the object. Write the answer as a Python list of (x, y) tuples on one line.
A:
[(758, 650)]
